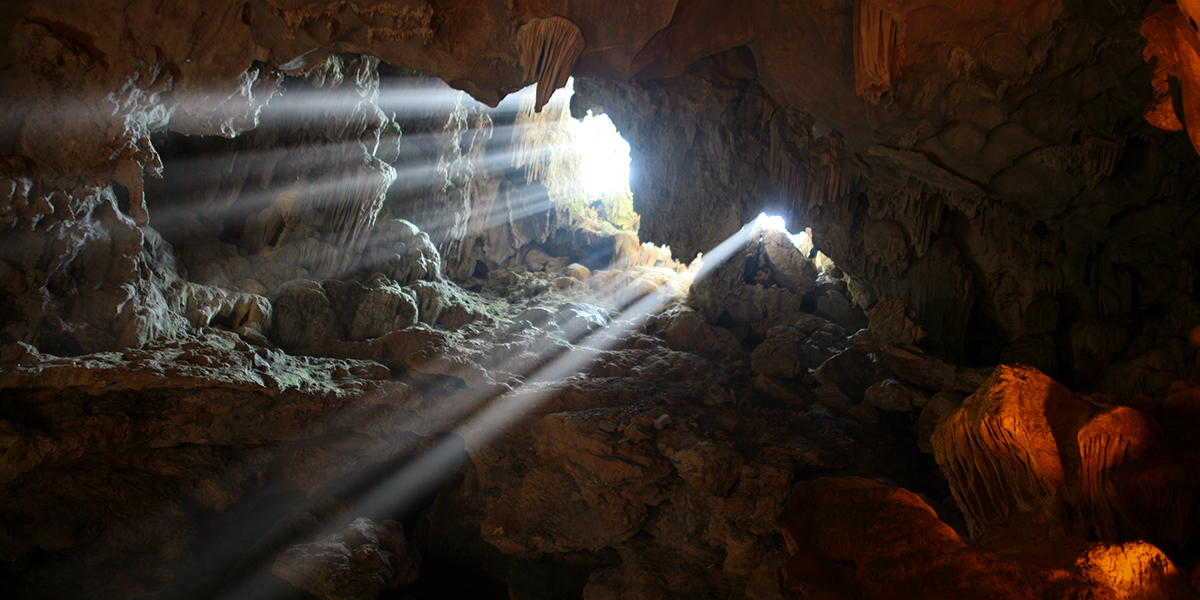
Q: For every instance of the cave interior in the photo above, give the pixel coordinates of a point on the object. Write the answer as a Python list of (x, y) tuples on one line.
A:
[(344, 300)]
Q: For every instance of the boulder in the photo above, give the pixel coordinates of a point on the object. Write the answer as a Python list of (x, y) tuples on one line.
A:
[(443, 304), (356, 563), (684, 329), (382, 309), (890, 323), (304, 317)]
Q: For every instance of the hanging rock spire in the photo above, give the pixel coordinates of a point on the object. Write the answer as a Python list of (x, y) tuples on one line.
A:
[(549, 48)]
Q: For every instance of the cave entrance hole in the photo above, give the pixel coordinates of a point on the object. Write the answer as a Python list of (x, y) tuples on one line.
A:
[(583, 162)]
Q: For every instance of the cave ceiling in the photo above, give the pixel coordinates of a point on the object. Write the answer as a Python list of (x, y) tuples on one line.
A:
[(904, 83)]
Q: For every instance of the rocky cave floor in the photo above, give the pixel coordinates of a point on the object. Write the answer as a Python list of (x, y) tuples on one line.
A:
[(559, 432)]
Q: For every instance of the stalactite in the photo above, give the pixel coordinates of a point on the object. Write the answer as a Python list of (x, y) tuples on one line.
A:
[(877, 51), (791, 179), (1024, 443), (549, 48), (790, 137), (920, 210), (916, 208), (1100, 156), (829, 177)]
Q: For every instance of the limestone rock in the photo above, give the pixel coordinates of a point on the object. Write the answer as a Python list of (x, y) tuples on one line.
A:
[(851, 371), (782, 354), (248, 315), (710, 468), (549, 48), (577, 320), (1025, 443), (833, 305), (1172, 40), (929, 372), (890, 323), (684, 329), (577, 271), (891, 395), (985, 167), (92, 283), (443, 305), (724, 290), (855, 538), (304, 317), (381, 308), (356, 563), (403, 253), (789, 267)]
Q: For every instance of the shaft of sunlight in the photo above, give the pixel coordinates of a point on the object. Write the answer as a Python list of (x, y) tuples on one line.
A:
[(402, 490)]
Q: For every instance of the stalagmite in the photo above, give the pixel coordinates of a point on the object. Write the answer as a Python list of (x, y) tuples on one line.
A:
[(549, 48), (318, 326)]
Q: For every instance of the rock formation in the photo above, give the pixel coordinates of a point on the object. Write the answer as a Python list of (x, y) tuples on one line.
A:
[(855, 538), (294, 303), (1024, 443)]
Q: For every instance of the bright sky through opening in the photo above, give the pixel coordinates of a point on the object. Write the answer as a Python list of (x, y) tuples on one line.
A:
[(604, 155), (777, 222)]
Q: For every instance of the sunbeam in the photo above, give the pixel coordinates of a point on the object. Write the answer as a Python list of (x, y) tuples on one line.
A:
[(480, 416)]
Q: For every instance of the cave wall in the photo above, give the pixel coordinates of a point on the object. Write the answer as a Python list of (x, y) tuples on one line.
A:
[(1023, 240), (1003, 151)]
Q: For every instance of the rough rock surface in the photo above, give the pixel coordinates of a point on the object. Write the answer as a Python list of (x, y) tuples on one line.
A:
[(1089, 468), (1009, 160), (856, 538), (355, 563), (201, 372), (659, 462)]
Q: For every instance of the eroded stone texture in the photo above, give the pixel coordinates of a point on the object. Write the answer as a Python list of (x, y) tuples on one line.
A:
[(998, 149), (856, 538), (83, 277), (355, 563), (119, 467), (1025, 443), (985, 182), (983, 172), (659, 464)]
